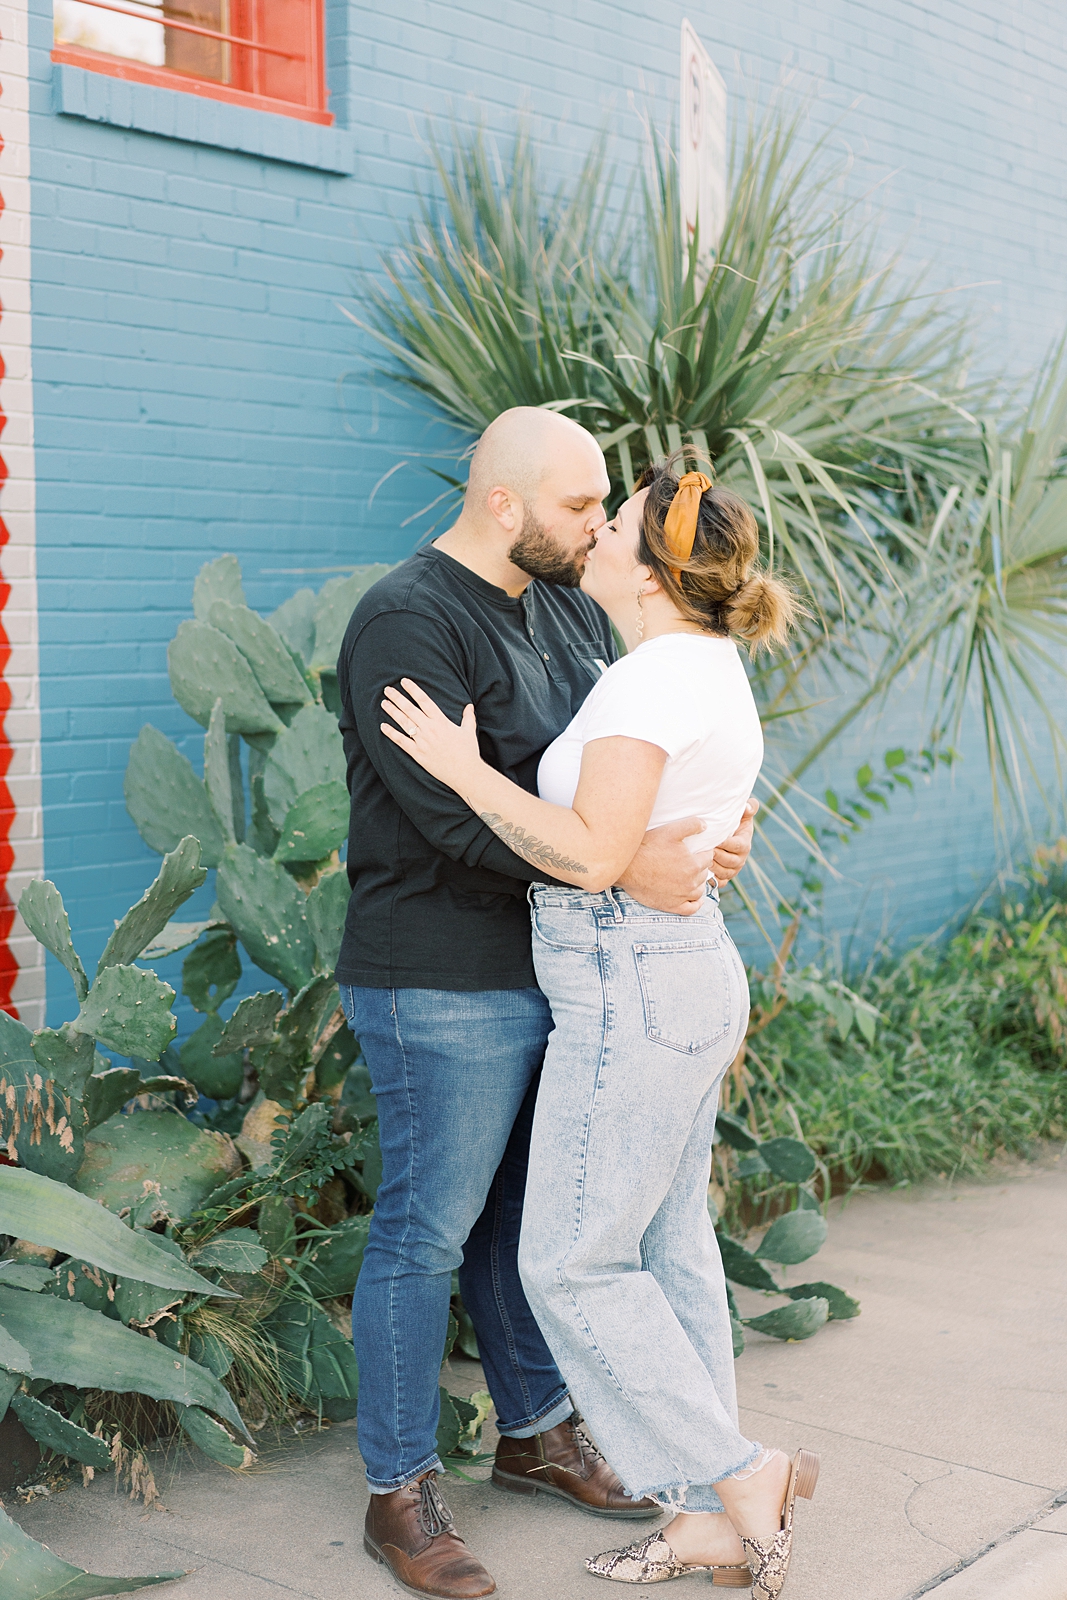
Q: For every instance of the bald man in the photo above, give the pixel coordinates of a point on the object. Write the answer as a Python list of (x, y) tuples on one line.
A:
[(437, 979)]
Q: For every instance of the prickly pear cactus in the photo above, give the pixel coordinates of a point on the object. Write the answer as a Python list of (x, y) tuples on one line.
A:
[(52, 1088), (790, 1239), (273, 806)]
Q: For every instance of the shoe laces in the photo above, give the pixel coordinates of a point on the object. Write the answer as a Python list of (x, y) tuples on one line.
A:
[(434, 1515), (587, 1452), (583, 1440)]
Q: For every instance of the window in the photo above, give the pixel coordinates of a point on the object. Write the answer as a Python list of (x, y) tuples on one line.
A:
[(267, 54)]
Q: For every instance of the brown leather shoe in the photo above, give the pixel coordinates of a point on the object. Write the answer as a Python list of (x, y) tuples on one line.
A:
[(412, 1532), (566, 1463)]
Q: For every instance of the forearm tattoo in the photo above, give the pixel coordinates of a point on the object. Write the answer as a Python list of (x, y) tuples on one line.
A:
[(535, 851)]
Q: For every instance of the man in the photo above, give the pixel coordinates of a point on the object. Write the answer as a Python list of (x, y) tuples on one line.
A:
[(437, 979)]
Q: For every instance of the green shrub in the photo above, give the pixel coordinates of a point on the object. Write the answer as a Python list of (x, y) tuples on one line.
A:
[(968, 1058)]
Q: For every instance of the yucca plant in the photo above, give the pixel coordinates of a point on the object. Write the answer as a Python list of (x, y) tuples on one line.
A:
[(818, 382), (984, 607), (794, 366)]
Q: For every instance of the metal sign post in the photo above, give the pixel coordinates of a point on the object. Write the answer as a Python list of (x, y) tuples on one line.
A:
[(702, 145)]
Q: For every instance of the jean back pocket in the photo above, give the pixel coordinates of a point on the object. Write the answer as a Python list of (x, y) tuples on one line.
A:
[(563, 927), (685, 990)]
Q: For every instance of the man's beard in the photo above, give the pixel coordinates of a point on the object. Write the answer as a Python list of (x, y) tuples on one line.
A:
[(536, 552)]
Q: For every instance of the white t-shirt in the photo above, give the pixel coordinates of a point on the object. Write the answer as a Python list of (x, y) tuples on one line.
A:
[(689, 694)]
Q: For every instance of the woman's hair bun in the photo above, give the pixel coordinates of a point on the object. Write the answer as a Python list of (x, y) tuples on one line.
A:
[(762, 610), (721, 586)]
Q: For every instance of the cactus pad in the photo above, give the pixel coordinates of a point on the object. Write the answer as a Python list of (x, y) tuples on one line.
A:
[(264, 651), (294, 621), (128, 1010), (42, 1080), (331, 1266), (180, 874), (308, 753), (44, 913), (204, 665), (740, 1266), (212, 971), (266, 908), (219, 1077), (794, 1237), (315, 825), (217, 580), (284, 1062), (107, 1092), (326, 907), (798, 1320), (166, 799), (218, 779), (252, 1023), (156, 1161)]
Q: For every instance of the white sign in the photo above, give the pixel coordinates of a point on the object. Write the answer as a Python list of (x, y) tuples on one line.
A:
[(702, 152)]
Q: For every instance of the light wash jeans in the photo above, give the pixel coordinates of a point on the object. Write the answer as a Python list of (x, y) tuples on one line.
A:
[(617, 1254)]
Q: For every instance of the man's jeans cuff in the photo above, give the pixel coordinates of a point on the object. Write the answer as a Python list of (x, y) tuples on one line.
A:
[(433, 1465), (557, 1415)]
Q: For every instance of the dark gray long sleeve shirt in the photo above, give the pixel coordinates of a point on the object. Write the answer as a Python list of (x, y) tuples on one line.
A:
[(438, 900)]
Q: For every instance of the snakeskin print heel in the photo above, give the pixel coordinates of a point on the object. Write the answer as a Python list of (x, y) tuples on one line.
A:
[(768, 1559), (651, 1560)]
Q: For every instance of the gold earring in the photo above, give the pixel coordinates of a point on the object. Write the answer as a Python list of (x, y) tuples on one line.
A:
[(640, 618)]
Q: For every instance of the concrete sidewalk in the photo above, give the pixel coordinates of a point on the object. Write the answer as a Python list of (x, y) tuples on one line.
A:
[(940, 1415)]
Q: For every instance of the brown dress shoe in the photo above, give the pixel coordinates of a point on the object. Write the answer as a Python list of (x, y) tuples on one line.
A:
[(412, 1532), (566, 1463)]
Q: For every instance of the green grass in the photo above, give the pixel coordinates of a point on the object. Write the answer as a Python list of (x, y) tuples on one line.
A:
[(969, 1059)]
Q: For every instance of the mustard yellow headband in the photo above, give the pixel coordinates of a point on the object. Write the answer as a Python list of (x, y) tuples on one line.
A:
[(680, 525)]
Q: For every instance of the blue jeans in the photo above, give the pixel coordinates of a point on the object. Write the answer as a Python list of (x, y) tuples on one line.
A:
[(455, 1075), (618, 1255)]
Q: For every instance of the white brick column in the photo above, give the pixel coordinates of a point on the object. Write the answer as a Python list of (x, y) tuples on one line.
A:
[(20, 731)]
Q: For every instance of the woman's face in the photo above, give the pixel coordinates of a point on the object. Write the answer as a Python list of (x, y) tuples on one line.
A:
[(613, 574)]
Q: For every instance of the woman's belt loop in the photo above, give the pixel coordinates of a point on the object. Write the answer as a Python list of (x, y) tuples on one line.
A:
[(618, 915)]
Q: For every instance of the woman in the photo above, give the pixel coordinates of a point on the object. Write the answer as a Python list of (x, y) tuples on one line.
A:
[(618, 1256)]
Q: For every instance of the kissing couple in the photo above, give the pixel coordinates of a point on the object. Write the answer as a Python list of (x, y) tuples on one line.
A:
[(537, 969)]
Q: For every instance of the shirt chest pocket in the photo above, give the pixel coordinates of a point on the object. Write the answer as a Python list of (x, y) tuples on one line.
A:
[(590, 656)]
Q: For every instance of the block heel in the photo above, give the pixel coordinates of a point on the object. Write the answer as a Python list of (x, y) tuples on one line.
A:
[(768, 1559), (806, 1467)]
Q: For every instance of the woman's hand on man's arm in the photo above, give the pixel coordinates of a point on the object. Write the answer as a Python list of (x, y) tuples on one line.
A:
[(587, 845)]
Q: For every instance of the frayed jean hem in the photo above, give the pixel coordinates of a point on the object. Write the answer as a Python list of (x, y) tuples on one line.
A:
[(693, 1498), (431, 1464)]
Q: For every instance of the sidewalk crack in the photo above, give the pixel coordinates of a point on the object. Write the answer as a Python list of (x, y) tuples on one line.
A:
[(938, 1477)]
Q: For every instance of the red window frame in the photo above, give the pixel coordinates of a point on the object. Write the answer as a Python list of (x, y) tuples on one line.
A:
[(273, 45)]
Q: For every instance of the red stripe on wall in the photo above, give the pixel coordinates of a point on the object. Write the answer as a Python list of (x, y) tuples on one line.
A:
[(8, 965)]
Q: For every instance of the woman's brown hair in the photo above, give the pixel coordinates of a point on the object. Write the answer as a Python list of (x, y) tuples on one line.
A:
[(721, 586)]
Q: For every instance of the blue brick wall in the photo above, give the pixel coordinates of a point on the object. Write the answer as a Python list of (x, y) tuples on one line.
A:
[(197, 389)]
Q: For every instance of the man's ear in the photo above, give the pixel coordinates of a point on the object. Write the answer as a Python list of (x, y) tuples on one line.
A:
[(506, 508)]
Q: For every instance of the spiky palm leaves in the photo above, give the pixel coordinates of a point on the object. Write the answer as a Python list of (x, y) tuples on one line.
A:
[(823, 389)]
